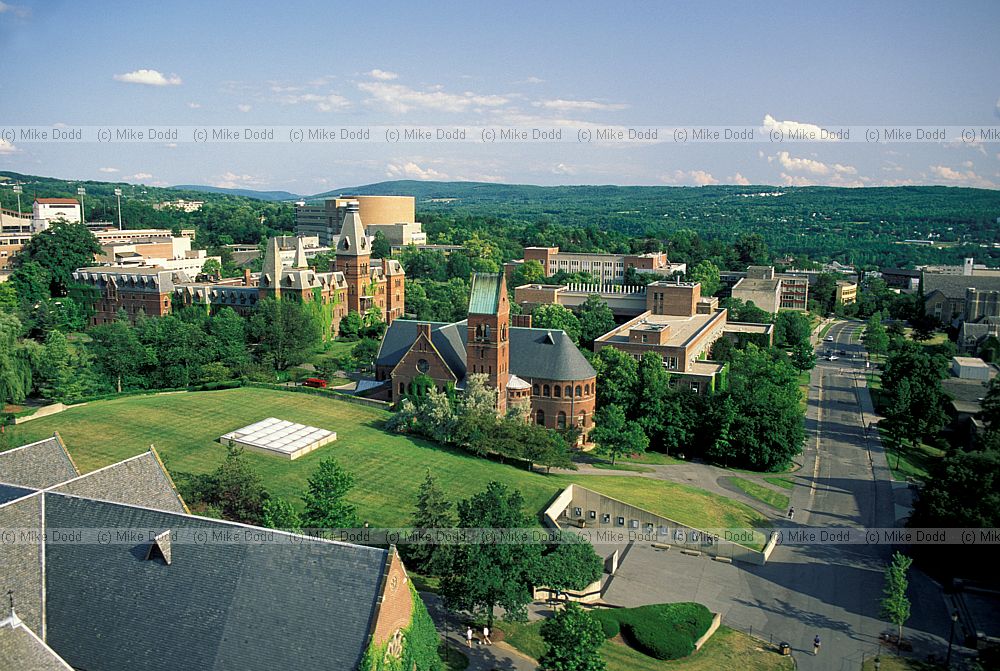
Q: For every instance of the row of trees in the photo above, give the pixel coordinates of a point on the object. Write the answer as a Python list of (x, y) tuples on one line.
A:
[(755, 421), (469, 421)]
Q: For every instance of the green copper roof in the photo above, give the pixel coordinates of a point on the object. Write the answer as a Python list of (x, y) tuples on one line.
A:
[(485, 297)]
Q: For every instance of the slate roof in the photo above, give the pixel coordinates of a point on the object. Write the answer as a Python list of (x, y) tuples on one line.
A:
[(216, 606), (954, 286), (139, 481), (534, 353), (38, 465), (21, 650), (484, 298), (10, 493)]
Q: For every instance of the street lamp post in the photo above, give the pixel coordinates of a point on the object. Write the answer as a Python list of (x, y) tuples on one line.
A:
[(118, 195), (17, 190), (951, 638), (80, 191)]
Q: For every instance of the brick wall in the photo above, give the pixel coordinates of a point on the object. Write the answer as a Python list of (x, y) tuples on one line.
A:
[(396, 609)]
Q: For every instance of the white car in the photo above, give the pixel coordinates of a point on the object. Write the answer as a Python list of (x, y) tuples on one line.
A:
[(828, 338), (832, 357)]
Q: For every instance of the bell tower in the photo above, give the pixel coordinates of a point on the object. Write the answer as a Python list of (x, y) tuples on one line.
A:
[(487, 349), (354, 258)]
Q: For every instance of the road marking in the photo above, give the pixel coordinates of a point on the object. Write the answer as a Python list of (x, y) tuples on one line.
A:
[(819, 420)]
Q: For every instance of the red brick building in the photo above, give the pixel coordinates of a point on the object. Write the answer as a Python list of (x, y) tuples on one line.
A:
[(539, 368)]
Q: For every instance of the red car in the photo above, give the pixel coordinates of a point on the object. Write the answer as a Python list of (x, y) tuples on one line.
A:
[(317, 382)]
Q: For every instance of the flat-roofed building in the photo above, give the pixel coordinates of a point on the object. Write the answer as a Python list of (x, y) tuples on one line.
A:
[(847, 292), (606, 268), (46, 211), (393, 215), (770, 291)]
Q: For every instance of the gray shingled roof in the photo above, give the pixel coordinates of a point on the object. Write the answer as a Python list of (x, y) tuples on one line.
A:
[(139, 481), (216, 607), (532, 353), (954, 286), (37, 465), (9, 493), (21, 650)]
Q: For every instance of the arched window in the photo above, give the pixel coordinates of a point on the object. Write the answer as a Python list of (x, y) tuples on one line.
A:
[(561, 420), (402, 388), (583, 419), (545, 392), (569, 391), (557, 391), (540, 417), (579, 390), (535, 390), (586, 389)]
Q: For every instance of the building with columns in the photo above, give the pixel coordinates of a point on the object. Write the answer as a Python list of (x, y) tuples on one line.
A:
[(540, 369)]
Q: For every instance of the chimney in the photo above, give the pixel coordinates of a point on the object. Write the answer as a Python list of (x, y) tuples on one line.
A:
[(967, 268), (424, 329), (246, 277), (521, 321)]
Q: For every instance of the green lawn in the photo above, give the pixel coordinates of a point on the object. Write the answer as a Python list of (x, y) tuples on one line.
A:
[(784, 483), (655, 459), (826, 329), (332, 349), (389, 468), (912, 463), (727, 649), (890, 662), (621, 466), (760, 492)]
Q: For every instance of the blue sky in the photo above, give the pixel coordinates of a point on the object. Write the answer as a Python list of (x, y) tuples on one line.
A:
[(887, 63)]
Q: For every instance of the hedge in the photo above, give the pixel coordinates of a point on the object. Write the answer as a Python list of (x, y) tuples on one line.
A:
[(663, 631)]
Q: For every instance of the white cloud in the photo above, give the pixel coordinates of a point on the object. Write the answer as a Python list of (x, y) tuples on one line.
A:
[(382, 75), (411, 170), (139, 177), (531, 80), (232, 180), (563, 169), (967, 177), (324, 103), (810, 166), (588, 105), (16, 10), (6, 147), (739, 180), (696, 177), (194, 105), (107, 170), (401, 99), (794, 127), (149, 78), (244, 108)]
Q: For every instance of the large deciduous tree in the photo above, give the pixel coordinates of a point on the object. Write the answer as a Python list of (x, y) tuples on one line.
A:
[(596, 319), (895, 605), (553, 316), (284, 332), (61, 249), (615, 435), (573, 639), (494, 574), (707, 273)]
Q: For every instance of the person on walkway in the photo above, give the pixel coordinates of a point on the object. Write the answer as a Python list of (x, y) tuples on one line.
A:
[(816, 645), (791, 513), (468, 637), (486, 636)]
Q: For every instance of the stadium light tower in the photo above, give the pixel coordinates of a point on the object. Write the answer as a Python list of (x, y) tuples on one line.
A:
[(80, 191), (118, 195), (18, 190)]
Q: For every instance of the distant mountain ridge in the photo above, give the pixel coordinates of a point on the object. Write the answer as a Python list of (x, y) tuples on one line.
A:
[(246, 193)]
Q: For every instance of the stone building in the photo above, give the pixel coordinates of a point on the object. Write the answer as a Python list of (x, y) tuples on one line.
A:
[(166, 589), (540, 368), (134, 291)]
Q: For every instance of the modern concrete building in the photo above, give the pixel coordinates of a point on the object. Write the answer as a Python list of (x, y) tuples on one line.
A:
[(772, 291), (180, 204), (169, 254), (394, 216), (540, 369), (45, 211), (680, 327), (607, 268), (624, 301), (847, 292)]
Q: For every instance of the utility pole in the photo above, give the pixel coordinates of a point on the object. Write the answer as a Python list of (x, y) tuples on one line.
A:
[(118, 195)]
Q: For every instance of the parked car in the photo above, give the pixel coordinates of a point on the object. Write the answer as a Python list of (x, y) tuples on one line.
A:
[(829, 338), (315, 382), (832, 357)]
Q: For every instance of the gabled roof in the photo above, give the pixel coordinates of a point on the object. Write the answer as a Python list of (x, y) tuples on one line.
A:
[(22, 650), (484, 298), (38, 465), (217, 606), (141, 481), (534, 353), (11, 493)]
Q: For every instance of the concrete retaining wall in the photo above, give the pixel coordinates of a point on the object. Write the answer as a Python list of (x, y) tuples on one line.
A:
[(43, 411), (716, 621)]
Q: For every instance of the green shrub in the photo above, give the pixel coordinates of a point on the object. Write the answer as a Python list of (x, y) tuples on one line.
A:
[(609, 621), (663, 631)]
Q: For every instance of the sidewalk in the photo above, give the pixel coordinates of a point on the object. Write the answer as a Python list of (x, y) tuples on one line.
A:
[(496, 657)]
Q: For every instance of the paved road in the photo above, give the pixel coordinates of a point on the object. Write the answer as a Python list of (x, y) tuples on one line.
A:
[(805, 590)]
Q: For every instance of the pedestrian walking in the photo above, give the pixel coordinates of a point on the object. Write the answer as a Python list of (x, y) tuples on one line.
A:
[(791, 513), (816, 645), (486, 636), (468, 637)]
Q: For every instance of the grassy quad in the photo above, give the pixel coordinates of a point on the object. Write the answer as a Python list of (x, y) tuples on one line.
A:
[(388, 468), (727, 649)]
